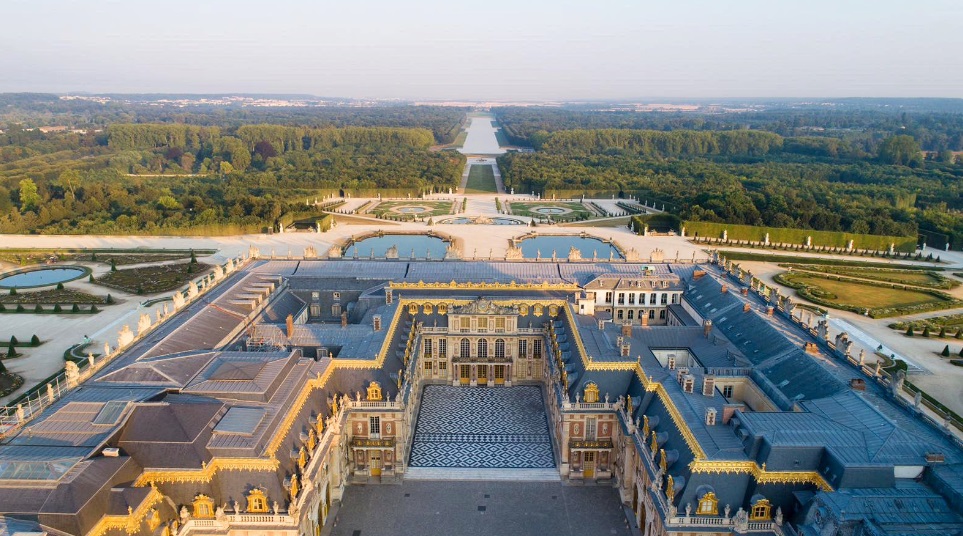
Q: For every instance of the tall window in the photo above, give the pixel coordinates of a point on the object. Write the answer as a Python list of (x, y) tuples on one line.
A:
[(499, 325), (727, 391), (336, 309), (465, 324), (665, 298), (537, 348), (632, 298), (522, 348), (621, 298), (652, 314), (443, 348), (590, 429), (608, 297), (427, 344), (499, 348), (483, 324), (465, 348), (632, 314), (619, 314), (675, 298), (483, 348), (374, 431)]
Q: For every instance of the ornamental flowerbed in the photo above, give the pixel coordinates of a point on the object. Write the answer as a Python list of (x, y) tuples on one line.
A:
[(153, 279), (51, 296)]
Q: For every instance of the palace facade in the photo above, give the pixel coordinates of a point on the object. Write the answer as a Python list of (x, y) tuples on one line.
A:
[(709, 408)]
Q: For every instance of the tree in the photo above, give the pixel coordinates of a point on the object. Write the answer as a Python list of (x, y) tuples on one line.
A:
[(29, 198), (946, 351), (35, 341), (942, 332), (3, 368), (109, 300), (60, 286), (11, 351), (909, 331), (226, 168), (14, 341), (901, 150), (68, 180), (926, 331), (113, 265)]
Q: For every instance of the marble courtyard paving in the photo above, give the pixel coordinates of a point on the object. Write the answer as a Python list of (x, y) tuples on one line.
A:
[(482, 427)]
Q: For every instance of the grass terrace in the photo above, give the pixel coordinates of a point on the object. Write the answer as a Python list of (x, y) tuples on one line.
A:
[(481, 180)]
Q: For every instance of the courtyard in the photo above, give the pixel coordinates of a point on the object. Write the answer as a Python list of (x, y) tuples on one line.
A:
[(453, 508)]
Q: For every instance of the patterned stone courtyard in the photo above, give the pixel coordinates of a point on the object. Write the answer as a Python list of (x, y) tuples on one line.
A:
[(482, 427)]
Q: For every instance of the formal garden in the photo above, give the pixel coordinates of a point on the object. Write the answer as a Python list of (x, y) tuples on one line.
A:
[(481, 180), (153, 279), (411, 209), (557, 211)]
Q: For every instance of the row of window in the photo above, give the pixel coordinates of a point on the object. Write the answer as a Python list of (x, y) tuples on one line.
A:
[(496, 324), (621, 314), (316, 295), (482, 347), (655, 298)]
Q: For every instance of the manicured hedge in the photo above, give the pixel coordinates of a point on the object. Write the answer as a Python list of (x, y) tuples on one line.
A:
[(784, 235)]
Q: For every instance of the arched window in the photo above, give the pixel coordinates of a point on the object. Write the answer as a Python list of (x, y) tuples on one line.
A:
[(483, 348), (465, 348), (203, 507), (257, 502), (708, 505), (499, 348), (761, 510)]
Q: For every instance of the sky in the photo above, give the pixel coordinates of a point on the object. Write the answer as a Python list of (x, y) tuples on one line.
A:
[(494, 50)]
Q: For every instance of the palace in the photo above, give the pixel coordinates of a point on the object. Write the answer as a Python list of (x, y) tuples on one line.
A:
[(704, 401)]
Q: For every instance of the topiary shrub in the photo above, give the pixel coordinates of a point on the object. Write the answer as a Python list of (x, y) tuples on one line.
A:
[(58, 308), (38, 308), (35, 341), (946, 351), (942, 332), (75, 308), (60, 286), (926, 331), (910, 332)]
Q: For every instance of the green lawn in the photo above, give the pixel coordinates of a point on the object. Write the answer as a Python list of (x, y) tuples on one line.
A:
[(851, 295), (460, 139), (481, 180), (905, 277)]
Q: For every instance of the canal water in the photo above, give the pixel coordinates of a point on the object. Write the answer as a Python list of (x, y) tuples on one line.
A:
[(481, 137)]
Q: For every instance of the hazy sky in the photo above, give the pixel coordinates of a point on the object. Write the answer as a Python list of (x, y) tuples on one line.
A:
[(498, 49)]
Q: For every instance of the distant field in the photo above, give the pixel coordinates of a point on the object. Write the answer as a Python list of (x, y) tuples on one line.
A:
[(481, 180), (460, 139)]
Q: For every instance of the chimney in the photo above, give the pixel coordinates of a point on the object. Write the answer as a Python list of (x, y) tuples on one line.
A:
[(626, 330), (745, 291), (344, 319), (376, 322), (709, 386), (725, 289), (746, 308), (711, 416), (707, 328), (290, 323), (625, 349), (857, 384), (770, 310), (388, 296)]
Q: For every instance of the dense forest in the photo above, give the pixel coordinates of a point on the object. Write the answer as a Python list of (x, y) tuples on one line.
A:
[(860, 171), (156, 178)]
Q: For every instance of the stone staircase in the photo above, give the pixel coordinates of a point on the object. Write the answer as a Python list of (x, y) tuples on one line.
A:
[(471, 473)]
